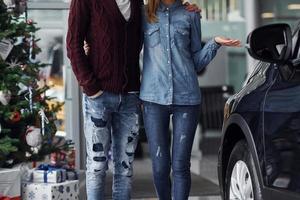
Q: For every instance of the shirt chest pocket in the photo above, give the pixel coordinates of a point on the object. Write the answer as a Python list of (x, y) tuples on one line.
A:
[(181, 36), (152, 37)]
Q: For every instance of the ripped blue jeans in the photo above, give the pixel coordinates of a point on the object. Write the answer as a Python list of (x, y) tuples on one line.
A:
[(156, 123), (111, 121)]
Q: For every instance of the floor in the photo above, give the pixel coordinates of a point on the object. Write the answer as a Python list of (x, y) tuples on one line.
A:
[(208, 170), (205, 178)]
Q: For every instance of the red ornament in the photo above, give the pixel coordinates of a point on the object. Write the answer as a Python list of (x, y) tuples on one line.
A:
[(15, 117), (29, 21)]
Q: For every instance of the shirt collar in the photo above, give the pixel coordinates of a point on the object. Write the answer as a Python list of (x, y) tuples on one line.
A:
[(163, 7)]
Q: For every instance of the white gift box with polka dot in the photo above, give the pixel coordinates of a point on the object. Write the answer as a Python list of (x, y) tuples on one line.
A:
[(68, 190), (10, 182)]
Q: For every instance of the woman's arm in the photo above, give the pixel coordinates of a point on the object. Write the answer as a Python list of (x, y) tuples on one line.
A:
[(202, 56)]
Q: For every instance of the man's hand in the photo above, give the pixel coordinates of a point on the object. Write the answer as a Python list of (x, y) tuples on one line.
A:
[(192, 7), (86, 48), (228, 41)]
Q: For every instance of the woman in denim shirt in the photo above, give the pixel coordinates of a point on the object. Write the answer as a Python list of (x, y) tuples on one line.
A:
[(172, 57)]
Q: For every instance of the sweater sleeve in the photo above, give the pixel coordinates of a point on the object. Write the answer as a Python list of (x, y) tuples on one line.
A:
[(201, 55), (79, 20)]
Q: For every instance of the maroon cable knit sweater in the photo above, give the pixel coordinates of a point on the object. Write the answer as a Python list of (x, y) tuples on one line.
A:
[(113, 62)]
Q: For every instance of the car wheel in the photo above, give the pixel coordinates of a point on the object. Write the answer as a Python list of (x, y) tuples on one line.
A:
[(241, 182)]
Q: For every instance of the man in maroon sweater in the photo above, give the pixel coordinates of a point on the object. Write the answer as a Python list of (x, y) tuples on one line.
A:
[(109, 77)]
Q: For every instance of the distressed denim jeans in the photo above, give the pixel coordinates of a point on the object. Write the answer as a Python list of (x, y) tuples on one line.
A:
[(111, 121), (156, 122)]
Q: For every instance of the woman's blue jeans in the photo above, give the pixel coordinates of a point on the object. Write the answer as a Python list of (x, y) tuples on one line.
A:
[(156, 122)]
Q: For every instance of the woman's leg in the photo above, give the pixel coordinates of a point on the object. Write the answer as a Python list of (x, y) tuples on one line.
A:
[(156, 122), (185, 120)]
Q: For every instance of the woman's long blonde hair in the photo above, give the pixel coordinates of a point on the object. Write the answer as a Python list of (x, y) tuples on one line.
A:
[(151, 9)]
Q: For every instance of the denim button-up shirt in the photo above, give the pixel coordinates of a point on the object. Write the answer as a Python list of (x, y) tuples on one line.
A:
[(172, 56)]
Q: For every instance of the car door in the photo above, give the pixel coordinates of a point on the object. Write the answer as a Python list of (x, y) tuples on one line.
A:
[(281, 132)]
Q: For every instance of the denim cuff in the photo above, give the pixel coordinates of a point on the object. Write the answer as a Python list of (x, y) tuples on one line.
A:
[(213, 45)]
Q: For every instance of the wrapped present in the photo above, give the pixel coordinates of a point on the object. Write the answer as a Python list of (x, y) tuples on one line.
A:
[(58, 159), (72, 174), (51, 191), (10, 198), (64, 159), (10, 183), (49, 174), (71, 158)]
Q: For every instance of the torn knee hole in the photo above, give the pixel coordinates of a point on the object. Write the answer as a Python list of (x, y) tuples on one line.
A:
[(99, 122), (99, 158), (130, 139), (98, 147)]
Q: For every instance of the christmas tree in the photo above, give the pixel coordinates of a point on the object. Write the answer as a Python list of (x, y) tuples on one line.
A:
[(27, 116)]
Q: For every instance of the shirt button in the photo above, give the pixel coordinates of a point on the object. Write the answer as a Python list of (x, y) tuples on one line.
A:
[(170, 75), (167, 14), (167, 36), (168, 61), (167, 49)]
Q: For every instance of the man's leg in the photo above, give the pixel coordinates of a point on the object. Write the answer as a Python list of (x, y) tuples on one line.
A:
[(97, 128), (125, 126)]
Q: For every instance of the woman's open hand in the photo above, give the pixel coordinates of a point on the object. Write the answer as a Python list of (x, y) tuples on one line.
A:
[(228, 41), (86, 48)]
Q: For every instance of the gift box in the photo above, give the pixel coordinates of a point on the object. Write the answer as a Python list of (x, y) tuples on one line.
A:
[(72, 174), (10, 198), (49, 174), (10, 183), (51, 191)]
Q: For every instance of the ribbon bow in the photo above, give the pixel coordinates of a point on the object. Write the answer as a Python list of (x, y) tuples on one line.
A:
[(49, 169)]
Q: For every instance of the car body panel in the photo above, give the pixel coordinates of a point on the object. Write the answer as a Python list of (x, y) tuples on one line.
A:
[(267, 112)]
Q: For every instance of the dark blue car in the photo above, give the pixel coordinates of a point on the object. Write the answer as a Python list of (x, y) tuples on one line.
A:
[(259, 157)]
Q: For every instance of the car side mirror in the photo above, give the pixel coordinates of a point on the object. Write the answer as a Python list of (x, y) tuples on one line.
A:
[(271, 43)]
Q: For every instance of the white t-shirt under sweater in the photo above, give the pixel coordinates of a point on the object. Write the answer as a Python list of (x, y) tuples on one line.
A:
[(124, 6)]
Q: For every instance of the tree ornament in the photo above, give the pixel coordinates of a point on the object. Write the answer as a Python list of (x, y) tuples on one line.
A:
[(21, 6), (35, 150), (19, 40), (29, 21), (23, 88), (32, 55), (10, 4), (33, 136), (5, 48), (44, 120), (28, 97), (15, 117), (13, 63), (27, 154), (16, 6), (5, 97)]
